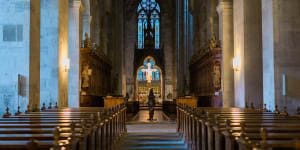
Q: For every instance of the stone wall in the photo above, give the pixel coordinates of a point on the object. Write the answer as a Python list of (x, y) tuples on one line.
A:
[(14, 52), (286, 52)]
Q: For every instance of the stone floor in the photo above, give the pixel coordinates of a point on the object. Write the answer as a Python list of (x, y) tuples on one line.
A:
[(143, 134), (154, 128), (143, 115)]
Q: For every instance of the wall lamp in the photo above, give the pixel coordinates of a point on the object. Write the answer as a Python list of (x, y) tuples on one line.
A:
[(237, 63), (66, 64)]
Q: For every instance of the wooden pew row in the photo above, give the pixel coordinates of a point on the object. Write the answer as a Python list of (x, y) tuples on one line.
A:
[(74, 116), (25, 132), (264, 120), (215, 127), (228, 132), (112, 124), (188, 131), (196, 125)]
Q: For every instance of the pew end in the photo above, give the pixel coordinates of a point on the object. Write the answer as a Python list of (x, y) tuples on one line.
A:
[(44, 107), (33, 145), (28, 109), (18, 112), (7, 114)]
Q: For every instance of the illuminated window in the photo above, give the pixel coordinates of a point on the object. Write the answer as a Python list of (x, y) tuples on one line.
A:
[(148, 8), (149, 72)]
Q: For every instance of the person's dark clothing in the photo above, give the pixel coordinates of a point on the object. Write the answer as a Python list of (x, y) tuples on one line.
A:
[(151, 104)]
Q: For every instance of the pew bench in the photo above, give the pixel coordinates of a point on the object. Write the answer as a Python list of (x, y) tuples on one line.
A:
[(202, 130), (100, 130)]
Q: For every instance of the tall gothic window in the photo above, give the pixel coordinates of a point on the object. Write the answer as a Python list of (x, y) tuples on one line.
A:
[(148, 13)]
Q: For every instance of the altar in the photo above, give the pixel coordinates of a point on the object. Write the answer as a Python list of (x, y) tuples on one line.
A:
[(149, 76), (143, 92)]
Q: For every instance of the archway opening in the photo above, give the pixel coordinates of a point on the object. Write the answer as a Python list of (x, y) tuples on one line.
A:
[(149, 75)]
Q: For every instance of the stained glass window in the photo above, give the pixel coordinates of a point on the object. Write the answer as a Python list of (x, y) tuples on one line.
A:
[(140, 34), (152, 69), (157, 34), (148, 8)]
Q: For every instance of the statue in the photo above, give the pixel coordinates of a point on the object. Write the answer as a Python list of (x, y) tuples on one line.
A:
[(87, 43), (151, 104), (212, 43), (85, 76)]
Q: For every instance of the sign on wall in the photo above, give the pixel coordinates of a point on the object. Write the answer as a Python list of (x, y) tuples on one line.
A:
[(21, 85)]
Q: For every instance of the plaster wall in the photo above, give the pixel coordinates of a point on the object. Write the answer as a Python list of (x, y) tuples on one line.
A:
[(14, 56)]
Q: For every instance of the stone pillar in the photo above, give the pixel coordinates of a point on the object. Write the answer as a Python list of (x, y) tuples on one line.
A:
[(225, 11), (74, 52), (86, 24), (34, 62), (248, 46), (268, 53), (86, 18), (63, 54)]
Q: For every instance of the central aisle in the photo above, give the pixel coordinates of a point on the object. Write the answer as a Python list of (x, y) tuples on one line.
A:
[(143, 134), (143, 115)]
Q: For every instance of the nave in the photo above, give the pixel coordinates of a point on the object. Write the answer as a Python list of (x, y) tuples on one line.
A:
[(87, 74)]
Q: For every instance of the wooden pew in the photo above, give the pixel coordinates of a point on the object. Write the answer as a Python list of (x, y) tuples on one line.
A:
[(202, 128), (40, 125)]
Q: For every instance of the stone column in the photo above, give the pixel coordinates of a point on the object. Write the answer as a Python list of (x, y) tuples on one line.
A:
[(248, 46), (86, 25), (86, 18), (74, 52), (63, 28), (225, 11), (34, 62), (268, 53)]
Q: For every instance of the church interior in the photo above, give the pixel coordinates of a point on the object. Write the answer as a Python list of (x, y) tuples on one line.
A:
[(86, 74)]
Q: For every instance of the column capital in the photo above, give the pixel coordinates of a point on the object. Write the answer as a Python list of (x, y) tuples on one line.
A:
[(225, 1), (224, 5), (75, 4)]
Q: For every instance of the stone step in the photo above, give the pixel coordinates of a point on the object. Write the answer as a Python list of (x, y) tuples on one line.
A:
[(153, 135), (153, 147), (132, 142), (149, 138)]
